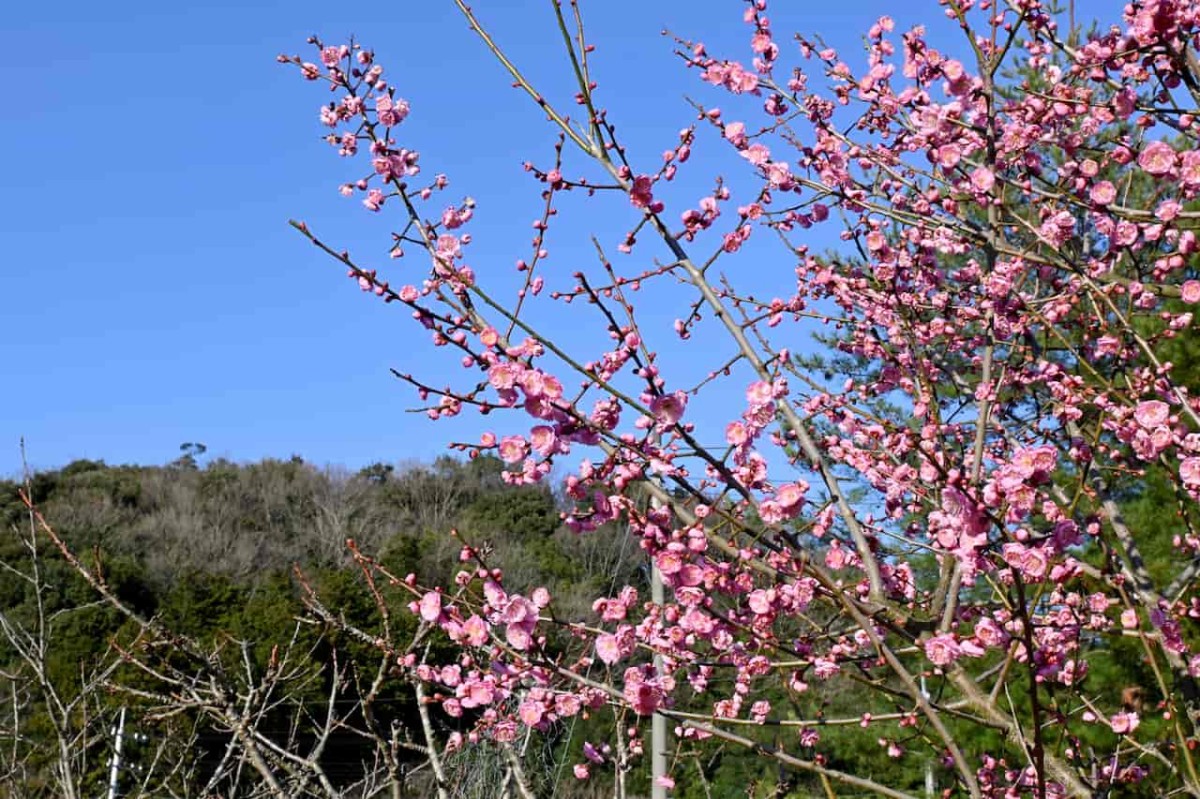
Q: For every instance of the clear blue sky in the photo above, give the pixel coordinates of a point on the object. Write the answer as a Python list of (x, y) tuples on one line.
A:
[(154, 151)]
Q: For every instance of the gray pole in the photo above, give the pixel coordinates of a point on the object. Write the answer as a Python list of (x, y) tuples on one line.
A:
[(929, 785), (115, 769), (658, 724)]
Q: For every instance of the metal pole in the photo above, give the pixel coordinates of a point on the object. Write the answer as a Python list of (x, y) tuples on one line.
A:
[(115, 770), (929, 784), (658, 724)]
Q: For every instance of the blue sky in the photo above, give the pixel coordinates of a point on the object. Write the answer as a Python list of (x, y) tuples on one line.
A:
[(154, 151)]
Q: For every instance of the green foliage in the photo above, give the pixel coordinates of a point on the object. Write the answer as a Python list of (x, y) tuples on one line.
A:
[(521, 512), (209, 550)]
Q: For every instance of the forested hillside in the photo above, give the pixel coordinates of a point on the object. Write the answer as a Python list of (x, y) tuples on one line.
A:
[(218, 559), (250, 595)]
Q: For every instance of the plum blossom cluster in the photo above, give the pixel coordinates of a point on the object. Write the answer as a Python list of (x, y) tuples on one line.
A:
[(934, 499)]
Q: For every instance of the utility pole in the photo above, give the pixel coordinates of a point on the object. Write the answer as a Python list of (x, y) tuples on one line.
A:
[(115, 767)]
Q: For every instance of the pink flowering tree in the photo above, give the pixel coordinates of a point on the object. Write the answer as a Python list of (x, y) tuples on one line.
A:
[(930, 513)]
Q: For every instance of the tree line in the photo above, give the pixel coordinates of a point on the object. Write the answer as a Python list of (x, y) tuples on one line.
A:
[(215, 561)]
